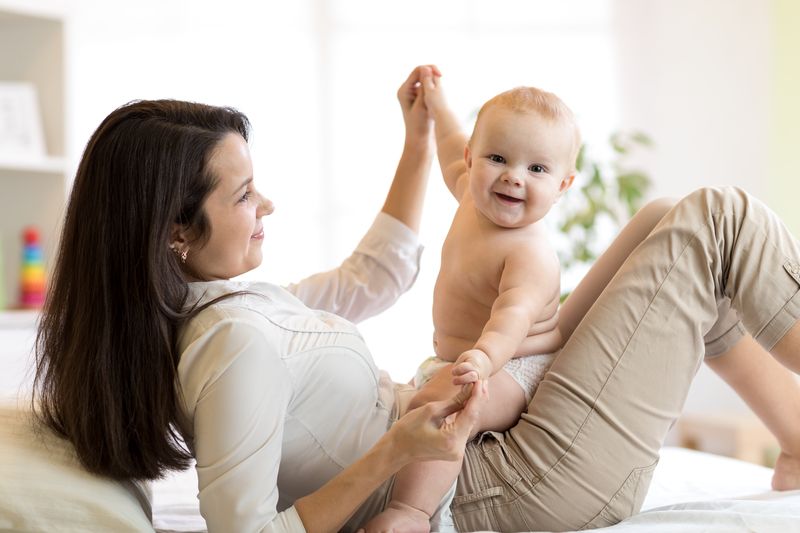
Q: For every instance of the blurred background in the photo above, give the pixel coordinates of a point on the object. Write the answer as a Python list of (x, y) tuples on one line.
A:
[(713, 84)]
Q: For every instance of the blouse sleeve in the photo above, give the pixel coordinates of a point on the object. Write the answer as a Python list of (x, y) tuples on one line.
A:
[(240, 391), (383, 266)]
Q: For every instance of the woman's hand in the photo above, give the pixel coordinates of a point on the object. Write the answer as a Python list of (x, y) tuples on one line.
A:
[(412, 101), (440, 430)]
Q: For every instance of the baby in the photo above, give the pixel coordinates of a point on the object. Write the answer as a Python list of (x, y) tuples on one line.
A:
[(496, 299)]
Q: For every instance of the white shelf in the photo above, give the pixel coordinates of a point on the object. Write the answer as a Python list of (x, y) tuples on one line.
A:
[(55, 165), (33, 190), (23, 319)]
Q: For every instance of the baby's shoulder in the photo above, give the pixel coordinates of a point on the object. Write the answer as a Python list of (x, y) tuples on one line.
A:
[(533, 253)]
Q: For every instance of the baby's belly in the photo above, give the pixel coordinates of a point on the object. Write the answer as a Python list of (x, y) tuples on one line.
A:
[(449, 347)]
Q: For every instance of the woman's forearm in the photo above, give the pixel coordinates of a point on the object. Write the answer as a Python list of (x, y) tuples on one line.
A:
[(331, 506), (407, 193)]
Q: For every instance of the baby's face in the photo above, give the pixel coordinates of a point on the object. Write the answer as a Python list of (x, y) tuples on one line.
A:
[(519, 164)]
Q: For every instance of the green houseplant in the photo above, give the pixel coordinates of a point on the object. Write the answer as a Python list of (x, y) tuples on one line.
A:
[(609, 192)]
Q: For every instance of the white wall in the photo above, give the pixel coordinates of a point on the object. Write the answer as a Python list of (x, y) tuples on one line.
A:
[(696, 77)]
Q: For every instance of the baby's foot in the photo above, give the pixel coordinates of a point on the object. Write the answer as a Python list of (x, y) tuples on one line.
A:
[(787, 472), (399, 518)]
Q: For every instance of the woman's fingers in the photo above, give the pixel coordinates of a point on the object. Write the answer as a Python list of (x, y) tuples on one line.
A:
[(478, 396), (468, 401), (439, 430), (445, 408), (466, 419)]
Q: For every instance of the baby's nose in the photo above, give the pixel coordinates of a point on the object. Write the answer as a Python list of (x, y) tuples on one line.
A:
[(512, 179)]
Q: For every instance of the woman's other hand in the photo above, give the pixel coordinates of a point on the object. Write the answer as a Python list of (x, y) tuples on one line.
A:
[(439, 430)]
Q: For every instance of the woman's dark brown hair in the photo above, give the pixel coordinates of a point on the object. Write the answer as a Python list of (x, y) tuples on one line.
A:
[(106, 348)]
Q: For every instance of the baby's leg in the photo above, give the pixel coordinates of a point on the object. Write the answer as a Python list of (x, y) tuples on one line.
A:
[(773, 393), (419, 487)]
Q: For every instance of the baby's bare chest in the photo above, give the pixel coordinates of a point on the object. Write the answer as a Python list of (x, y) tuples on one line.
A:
[(472, 267)]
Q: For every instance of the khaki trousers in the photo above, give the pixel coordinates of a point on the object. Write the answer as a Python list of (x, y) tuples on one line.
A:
[(583, 454)]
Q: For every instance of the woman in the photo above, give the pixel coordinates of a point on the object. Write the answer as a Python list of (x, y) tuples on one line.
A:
[(145, 339)]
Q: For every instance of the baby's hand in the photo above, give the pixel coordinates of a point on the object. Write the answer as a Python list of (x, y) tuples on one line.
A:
[(471, 366), (434, 94)]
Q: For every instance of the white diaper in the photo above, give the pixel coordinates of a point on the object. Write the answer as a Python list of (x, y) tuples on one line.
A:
[(528, 371)]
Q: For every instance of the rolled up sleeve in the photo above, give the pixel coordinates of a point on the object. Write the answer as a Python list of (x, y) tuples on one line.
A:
[(383, 266)]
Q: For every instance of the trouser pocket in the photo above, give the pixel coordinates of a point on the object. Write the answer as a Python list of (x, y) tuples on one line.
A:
[(489, 488), (627, 500)]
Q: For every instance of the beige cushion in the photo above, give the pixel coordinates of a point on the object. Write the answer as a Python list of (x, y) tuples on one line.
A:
[(44, 488)]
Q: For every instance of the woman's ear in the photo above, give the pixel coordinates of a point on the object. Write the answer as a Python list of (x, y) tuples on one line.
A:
[(467, 156), (178, 236), (179, 242)]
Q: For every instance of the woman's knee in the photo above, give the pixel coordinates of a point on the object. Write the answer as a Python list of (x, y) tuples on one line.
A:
[(656, 209), (718, 199)]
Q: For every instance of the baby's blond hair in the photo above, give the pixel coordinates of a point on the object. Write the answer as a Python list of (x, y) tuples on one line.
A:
[(534, 100)]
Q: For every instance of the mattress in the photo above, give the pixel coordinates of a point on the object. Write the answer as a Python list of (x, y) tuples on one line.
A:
[(691, 492)]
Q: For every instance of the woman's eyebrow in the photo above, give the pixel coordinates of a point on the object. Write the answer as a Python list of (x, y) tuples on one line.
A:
[(244, 184)]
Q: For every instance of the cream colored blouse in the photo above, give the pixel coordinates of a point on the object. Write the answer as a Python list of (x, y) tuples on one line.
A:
[(280, 393)]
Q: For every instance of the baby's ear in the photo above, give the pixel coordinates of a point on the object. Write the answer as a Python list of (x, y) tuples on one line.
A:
[(467, 156), (566, 183)]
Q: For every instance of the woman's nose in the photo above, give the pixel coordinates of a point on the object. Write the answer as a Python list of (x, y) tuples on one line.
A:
[(266, 207)]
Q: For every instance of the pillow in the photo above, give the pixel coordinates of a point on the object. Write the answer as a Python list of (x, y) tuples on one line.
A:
[(44, 488)]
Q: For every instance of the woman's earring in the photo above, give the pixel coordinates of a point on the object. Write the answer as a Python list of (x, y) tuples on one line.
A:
[(182, 254)]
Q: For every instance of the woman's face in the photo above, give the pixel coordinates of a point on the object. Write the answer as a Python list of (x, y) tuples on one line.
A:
[(234, 210)]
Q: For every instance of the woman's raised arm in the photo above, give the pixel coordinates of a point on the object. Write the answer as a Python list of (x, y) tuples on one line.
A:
[(386, 261)]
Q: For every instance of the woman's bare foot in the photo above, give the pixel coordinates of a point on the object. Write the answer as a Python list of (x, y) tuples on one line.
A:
[(787, 472), (399, 518)]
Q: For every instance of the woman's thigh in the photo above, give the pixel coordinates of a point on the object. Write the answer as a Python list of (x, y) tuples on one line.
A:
[(583, 452), (591, 286)]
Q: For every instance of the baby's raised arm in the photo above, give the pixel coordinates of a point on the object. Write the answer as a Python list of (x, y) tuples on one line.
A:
[(450, 138), (528, 282)]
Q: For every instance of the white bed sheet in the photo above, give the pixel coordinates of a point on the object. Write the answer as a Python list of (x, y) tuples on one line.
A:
[(690, 492)]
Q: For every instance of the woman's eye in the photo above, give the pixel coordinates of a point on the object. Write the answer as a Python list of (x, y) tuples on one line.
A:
[(536, 168), (494, 158), (246, 196)]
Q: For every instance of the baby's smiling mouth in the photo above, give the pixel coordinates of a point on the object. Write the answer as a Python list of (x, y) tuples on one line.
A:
[(506, 198)]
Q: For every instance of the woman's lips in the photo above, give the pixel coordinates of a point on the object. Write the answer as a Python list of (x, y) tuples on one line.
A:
[(259, 235)]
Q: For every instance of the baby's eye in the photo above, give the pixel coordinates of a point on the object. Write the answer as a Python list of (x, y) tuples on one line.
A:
[(494, 158), (537, 168)]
